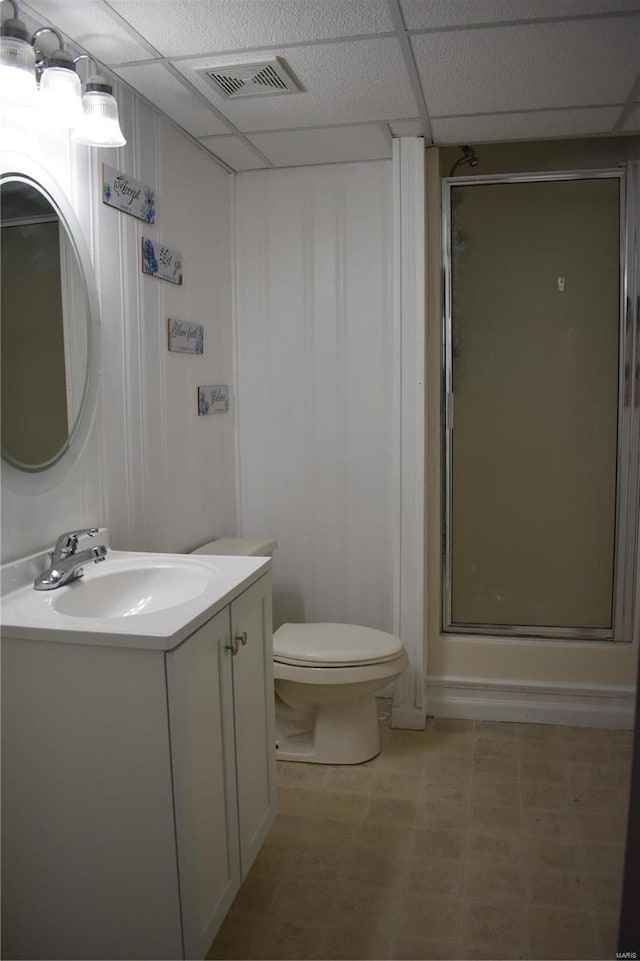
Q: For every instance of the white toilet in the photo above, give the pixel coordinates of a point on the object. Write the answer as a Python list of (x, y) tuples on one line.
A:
[(326, 676)]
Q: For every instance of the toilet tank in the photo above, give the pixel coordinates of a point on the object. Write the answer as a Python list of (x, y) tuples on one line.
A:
[(243, 546)]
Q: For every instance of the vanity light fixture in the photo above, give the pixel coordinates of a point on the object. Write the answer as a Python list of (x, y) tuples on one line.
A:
[(99, 126), (18, 86), (60, 87)]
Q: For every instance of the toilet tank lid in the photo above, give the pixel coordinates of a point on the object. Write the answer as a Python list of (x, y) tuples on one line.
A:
[(334, 643), (241, 546)]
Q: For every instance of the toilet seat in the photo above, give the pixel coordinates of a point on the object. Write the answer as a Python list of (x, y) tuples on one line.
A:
[(333, 645)]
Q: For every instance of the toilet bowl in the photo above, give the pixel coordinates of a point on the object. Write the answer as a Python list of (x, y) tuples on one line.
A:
[(326, 676)]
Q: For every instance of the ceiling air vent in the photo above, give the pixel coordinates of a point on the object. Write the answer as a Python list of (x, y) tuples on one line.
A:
[(263, 79)]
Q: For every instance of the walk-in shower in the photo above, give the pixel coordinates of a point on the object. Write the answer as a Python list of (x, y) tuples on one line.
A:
[(541, 404)]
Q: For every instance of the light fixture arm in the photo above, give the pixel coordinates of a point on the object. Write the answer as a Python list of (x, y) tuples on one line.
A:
[(59, 57), (13, 27), (85, 56)]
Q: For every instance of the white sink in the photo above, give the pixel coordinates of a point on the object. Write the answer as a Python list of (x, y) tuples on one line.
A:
[(129, 599), (129, 593)]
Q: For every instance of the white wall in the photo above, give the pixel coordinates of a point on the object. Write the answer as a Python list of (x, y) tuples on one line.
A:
[(160, 477), (317, 386)]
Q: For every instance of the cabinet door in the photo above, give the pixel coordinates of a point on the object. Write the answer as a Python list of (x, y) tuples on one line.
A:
[(199, 680), (251, 627)]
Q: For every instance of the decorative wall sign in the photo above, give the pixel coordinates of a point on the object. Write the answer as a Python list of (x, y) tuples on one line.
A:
[(213, 399), (186, 338), (161, 262), (125, 193)]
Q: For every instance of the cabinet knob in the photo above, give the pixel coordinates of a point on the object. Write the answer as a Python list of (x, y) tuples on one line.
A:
[(233, 646), (242, 637)]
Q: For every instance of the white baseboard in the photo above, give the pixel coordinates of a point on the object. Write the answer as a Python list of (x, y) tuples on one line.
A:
[(491, 699)]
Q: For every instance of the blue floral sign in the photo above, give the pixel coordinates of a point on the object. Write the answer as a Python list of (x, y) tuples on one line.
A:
[(186, 338), (161, 261), (213, 399), (124, 193)]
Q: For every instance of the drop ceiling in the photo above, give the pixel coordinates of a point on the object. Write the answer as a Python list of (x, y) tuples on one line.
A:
[(452, 71)]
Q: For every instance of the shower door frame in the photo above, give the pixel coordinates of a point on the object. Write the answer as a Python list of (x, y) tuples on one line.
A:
[(628, 420)]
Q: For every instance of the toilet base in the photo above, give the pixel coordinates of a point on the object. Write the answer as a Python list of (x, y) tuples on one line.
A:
[(343, 732)]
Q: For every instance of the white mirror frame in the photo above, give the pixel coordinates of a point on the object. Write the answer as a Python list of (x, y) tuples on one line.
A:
[(25, 482)]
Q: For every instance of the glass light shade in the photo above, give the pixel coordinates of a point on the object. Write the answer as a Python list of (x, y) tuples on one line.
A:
[(17, 73), (99, 126), (61, 97)]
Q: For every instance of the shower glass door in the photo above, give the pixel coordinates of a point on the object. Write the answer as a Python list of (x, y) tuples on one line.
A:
[(534, 399)]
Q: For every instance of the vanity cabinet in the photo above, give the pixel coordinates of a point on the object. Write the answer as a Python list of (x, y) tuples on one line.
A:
[(223, 758), (138, 786)]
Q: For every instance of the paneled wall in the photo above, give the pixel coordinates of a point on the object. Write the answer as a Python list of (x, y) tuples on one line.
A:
[(318, 387), (157, 475)]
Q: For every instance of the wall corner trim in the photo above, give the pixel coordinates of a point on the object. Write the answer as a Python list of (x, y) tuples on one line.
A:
[(409, 262)]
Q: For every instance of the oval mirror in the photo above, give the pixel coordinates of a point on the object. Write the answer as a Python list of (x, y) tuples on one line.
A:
[(47, 336)]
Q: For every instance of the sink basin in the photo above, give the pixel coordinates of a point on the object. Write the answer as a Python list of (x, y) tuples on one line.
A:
[(130, 599), (129, 593)]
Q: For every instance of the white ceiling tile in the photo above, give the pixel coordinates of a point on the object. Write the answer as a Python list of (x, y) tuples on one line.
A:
[(524, 126), (96, 27), (326, 145), (406, 128), (343, 82), (419, 15), (155, 82), (632, 121), (234, 152), (582, 62), (200, 26)]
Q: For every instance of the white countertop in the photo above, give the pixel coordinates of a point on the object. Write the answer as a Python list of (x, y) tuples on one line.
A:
[(211, 581)]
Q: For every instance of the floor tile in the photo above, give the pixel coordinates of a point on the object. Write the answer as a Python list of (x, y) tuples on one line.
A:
[(353, 939), (494, 881), (290, 939), (603, 860), (235, 940), (437, 919), (423, 949), (255, 897), (501, 768), (434, 877), (430, 842), (555, 888), (390, 810), (495, 819), (550, 796), (558, 933), (443, 765), (302, 775), (490, 790), (446, 787), (551, 772), (493, 952), (493, 924), (442, 814), (339, 805), (397, 785), (606, 926), (298, 898), (481, 847), (552, 853), (558, 824), (467, 840), (451, 725)]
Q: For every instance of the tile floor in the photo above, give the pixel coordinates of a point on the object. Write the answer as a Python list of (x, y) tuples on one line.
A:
[(466, 840)]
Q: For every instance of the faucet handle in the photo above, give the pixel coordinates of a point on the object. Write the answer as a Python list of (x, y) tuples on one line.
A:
[(68, 542)]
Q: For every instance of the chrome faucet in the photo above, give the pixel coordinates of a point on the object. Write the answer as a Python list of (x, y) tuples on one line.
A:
[(66, 563)]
